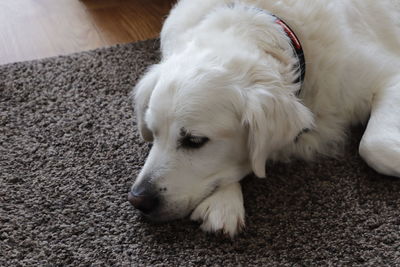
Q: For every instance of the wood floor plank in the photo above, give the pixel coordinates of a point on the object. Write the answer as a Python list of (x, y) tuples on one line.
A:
[(32, 29)]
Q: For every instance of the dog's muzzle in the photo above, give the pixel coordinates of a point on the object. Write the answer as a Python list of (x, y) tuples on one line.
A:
[(144, 198)]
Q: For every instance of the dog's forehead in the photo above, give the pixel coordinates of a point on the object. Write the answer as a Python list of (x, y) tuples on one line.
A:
[(195, 101), (197, 115), (180, 96)]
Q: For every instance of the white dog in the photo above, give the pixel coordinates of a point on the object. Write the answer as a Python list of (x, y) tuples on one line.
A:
[(230, 94)]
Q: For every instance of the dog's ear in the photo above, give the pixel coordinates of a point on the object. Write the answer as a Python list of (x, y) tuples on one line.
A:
[(274, 119), (142, 93)]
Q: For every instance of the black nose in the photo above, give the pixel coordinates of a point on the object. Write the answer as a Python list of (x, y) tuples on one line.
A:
[(144, 203)]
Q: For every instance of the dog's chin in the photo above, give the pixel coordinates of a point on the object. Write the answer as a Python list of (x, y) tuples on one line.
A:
[(160, 216), (164, 214)]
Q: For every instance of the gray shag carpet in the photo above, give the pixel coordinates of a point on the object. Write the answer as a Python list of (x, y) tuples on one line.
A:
[(69, 152)]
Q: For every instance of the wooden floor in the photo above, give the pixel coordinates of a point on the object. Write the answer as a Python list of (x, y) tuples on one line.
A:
[(32, 29)]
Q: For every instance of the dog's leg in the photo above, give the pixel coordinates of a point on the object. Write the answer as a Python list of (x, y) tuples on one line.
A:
[(222, 211), (380, 145)]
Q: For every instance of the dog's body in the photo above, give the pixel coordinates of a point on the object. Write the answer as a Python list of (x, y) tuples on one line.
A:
[(223, 99)]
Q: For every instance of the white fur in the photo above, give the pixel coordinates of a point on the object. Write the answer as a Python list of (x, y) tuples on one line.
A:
[(227, 74), (222, 211)]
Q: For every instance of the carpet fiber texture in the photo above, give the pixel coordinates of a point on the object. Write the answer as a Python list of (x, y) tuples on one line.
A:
[(70, 150)]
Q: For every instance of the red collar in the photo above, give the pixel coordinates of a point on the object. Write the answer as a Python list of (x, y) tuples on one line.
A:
[(297, 48)]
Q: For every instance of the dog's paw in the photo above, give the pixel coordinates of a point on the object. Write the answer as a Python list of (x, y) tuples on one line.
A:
[(223, 211)]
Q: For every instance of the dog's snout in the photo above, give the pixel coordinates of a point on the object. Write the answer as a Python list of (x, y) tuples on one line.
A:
[(143, 197), (146, 203)]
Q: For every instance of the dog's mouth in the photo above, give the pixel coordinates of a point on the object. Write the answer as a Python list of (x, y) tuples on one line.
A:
[(165, 212), (161, 216)]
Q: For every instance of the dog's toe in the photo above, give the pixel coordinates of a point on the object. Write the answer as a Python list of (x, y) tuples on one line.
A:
[(220, 213)]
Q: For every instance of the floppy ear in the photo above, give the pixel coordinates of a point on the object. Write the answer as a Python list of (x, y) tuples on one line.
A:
[(142, 93), (273, 121)]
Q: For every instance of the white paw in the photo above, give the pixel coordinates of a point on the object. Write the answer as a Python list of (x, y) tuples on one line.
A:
[(222, 211)]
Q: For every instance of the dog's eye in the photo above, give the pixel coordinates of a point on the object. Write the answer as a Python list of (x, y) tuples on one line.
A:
[(193, 141)]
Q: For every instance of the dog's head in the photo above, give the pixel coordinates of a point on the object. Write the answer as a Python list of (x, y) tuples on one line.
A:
[(212, 120)]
